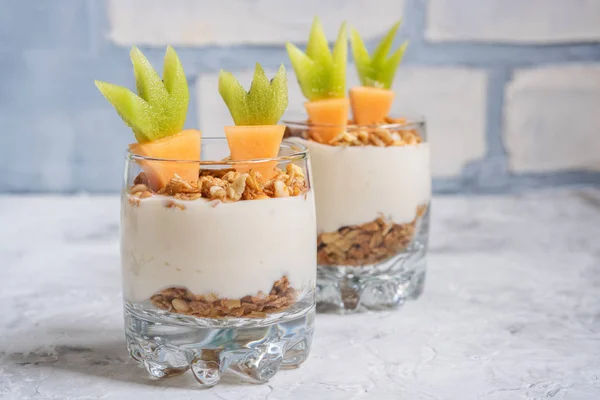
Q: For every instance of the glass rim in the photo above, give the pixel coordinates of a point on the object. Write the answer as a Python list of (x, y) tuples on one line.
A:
[(412, 122), (299, 152)]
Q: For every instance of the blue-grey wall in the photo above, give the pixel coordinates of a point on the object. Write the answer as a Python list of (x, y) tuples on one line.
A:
[(60, 134)]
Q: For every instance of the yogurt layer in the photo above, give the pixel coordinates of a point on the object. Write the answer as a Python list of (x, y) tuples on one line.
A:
[(230, 249), (355, 185)]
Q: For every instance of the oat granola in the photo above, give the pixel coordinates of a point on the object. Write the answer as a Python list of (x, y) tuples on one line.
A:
[(226, 185), (367, 136), (182, 301), (365, 244)]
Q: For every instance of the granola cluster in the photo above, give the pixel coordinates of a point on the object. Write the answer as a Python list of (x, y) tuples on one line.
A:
[(365, 244), (380, 137), (226, 185), (182, 301), (376, 136)]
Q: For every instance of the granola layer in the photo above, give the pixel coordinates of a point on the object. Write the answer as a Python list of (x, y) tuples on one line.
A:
[(366, 244), (380, 136), (226, 185), (182, 301)]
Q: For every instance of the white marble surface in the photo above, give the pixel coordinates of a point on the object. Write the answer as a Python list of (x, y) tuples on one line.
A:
[(511, 310)]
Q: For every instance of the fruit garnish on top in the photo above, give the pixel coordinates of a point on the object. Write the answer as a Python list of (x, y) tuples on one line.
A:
[(255, 114), (322, 77), (372, 101), (156, 114)]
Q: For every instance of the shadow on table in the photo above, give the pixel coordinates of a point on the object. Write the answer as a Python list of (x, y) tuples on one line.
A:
[(103, 358)]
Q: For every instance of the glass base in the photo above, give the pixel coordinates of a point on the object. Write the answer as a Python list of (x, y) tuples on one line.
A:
[(375, 287), (251, 353)]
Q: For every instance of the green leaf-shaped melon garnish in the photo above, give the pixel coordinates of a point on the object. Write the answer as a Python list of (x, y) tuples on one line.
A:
[(160, 107), (263, 104), (321, 73), (377, 70)]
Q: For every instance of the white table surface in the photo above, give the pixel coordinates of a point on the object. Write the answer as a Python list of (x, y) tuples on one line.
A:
[(511, 310)]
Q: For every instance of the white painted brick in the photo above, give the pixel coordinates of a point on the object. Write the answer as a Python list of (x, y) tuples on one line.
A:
[(552, 119), (198, 23), (520, 21), (452, 99)]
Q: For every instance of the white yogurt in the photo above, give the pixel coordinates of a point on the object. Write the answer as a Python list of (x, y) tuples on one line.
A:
[(355, 185), (231, 249)]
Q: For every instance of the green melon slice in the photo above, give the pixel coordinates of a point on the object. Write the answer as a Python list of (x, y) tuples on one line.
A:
[(321, 73), (263, 104), (160, 107), (377, 70)]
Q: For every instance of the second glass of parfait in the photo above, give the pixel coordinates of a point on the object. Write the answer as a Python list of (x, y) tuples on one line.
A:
[(371, 175), (217, 235)]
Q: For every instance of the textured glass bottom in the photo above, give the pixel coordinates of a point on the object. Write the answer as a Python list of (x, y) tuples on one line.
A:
[(380, 286), (251, 352)]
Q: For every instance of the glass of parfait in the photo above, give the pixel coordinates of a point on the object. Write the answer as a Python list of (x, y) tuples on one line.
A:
[(219, 270), (372, 213), (217, 235), (371, 176)]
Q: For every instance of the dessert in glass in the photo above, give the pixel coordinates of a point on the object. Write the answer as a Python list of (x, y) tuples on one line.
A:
[(371, 175), (217, 235)]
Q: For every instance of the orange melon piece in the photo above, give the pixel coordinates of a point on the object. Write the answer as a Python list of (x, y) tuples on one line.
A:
[(370, 105), (330, 112), (400, 121), (184, 145), (249, 142)]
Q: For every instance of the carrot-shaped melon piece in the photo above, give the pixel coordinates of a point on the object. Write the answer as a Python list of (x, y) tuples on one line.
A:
[(370, 105), (250, 142), (325, 112), (181, 146), (156, 114), (371, 102), (255, 113), (322, 77)]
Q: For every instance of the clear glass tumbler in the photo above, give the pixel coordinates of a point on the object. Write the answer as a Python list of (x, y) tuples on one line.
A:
[(373, 189), (219, 263)]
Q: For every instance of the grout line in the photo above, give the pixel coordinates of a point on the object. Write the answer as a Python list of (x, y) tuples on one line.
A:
[(498, 78)]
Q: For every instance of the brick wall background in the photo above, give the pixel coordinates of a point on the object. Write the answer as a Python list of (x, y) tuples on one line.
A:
[(511, 88)]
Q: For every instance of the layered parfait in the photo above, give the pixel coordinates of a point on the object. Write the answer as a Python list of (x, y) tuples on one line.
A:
[(371, 172), (215, 234)]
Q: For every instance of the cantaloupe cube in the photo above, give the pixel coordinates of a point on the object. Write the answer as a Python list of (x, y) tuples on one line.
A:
[(250, 142), (183, 146)]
